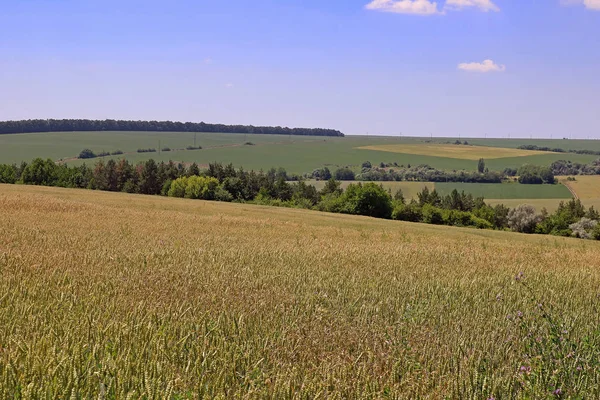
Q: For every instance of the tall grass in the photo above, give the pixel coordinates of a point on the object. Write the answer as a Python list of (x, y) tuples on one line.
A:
[(120, 296)]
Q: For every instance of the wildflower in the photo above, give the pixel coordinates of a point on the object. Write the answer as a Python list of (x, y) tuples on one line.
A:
[(519, 277), (519, 314), (579, 368), (525, 369), (557, 392)]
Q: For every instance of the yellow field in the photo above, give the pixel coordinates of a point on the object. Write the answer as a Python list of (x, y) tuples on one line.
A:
[(453, 151), (586, 187), (119, 296)]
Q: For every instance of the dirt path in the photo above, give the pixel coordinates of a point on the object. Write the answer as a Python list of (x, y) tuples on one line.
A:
[(566, 183)]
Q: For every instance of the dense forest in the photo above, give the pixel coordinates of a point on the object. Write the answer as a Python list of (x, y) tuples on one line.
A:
[(69, 125)]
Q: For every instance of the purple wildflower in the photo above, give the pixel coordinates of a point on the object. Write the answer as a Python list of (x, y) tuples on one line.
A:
[(557, 392), (519, 276)]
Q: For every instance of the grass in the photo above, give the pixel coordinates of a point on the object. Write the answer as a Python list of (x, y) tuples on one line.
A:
[(297, 154), (507, 190), (121, 296), (454, 151)]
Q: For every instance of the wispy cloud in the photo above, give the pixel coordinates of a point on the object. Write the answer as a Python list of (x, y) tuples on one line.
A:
[(415, 7), (482, 67), (208, 60), (483, 5), (229, 85), (589, 4)]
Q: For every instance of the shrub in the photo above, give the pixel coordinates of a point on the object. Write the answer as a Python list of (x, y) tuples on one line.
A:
[(432, 215), (146, 150), (407, 212), (193, 147), (369, 199), (178, 187), (165, 149), (344, 174), (116, 153), (596, 232), (523, 218), (584, 228), (201, 187), (86, 154), (223, 195)]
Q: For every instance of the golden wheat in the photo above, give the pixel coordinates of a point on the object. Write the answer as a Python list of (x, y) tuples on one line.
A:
[(123, 296)]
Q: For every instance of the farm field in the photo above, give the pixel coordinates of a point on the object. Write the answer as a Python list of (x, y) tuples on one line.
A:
[(587, 188), (297, 154), (569, 144), (116, 295), (496, 191), (454, 151)]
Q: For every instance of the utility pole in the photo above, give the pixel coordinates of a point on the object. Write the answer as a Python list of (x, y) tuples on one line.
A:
[(159, 147)]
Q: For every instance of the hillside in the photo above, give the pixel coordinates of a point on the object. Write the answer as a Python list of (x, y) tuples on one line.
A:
[(128, 295)]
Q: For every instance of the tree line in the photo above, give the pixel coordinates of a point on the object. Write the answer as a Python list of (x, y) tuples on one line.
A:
[(70, 125), (558, 150), (392, 172), (273, 187)]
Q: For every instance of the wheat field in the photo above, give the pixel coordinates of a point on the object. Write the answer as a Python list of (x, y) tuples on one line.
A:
[(454, 151), (118, 296)]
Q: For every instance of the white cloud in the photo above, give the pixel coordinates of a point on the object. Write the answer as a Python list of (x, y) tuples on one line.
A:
[(589, 4), (208, 61), (485, 66), (229, 85), (417, 7), (483, 5), (592, 4)]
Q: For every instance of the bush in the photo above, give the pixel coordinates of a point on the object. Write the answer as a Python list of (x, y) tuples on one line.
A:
[(523, 219), (178, 187), (146, 150), (223, 195), (432, 215), (407, 212), (116, 153), (165, 149), (201, 187), (344, 174), (369, 199), (193, 148), (596, 232), (86, 154), (584, 229)]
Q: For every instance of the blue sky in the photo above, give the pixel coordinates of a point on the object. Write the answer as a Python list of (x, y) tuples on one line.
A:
[(385, 67)]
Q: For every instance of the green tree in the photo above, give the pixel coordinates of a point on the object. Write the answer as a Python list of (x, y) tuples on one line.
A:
[(149, 183), (481, 166), (8, 173), (40, 172)]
